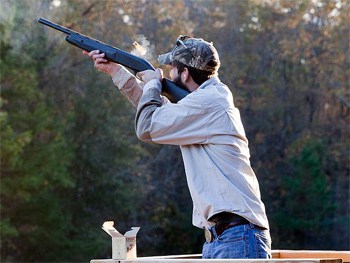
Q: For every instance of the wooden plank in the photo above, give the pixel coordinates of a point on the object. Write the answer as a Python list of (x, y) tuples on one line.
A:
[(309, 260), (189, 256), (184, 260), (282, 256), (275, 254), (175, 256), (322, 254)]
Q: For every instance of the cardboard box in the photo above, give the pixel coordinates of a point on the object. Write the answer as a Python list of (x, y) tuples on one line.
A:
[(123, 246)]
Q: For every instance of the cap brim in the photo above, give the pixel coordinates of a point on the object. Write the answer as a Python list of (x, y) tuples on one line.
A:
[(165, 59)]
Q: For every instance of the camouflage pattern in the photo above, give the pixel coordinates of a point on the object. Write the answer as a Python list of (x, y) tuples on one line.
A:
[(196, 54)]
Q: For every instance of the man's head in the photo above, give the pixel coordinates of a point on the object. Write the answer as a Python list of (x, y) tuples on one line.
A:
[(198, 56)]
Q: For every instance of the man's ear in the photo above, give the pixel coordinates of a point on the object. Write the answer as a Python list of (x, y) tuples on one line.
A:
[(185, 74)]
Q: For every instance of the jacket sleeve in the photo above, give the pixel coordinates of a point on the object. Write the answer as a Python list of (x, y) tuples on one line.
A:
[(179, 123), (131, 87), (128, 85), (149, 102)]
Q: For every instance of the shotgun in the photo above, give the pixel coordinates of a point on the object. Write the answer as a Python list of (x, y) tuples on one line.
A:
[(169, 89)]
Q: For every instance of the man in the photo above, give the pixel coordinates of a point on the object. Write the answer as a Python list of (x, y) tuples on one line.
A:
[(208, 128)]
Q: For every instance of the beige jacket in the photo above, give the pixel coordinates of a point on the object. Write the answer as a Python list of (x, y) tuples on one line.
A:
[(208, 128)]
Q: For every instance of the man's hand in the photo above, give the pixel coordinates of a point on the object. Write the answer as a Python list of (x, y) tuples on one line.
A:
[(103, 64), (148, 75)]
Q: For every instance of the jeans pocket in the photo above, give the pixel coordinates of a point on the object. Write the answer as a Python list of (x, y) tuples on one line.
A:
[(230, 245)]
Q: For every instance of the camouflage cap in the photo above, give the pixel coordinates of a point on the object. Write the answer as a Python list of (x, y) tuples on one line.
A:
[(193, 52)]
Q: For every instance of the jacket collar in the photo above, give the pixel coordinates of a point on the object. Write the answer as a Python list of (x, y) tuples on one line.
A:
[(209, 82)]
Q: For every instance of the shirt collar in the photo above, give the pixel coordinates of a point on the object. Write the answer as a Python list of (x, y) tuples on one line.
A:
[(209, 82)]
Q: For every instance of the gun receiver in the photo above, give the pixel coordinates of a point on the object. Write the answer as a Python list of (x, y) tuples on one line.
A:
[(135, 63)]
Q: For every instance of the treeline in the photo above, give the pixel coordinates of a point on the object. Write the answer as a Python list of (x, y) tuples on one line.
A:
[(70, 159)]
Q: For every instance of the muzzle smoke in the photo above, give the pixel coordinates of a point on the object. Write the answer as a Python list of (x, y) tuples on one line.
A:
[(142, 48)]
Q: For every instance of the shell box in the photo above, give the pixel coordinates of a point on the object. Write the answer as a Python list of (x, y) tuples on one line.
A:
[(123, 246)]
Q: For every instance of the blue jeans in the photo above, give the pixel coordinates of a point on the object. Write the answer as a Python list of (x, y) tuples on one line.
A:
[(244, 241)]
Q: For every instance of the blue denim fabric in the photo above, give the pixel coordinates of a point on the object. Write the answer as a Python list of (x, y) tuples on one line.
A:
[(245, 241)]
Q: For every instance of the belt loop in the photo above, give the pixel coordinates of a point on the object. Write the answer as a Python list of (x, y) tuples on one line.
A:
[(251, 225), (213, 232)]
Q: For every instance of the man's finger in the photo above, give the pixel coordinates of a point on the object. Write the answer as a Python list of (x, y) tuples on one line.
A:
[(93, 53), (98, 55), (101, 60), (160, 72), (140, 74)]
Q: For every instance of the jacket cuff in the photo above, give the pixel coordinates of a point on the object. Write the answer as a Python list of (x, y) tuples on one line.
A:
[(154, 83)]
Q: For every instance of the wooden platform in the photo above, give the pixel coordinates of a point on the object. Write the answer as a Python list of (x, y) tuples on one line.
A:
[(282, 256)]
